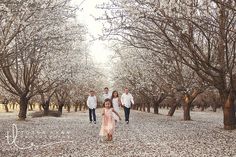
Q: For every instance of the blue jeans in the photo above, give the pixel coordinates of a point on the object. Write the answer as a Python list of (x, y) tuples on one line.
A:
[(127, 112), (92, 114)]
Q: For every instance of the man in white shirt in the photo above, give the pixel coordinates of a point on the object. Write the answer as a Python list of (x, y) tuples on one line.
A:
[(92, 104), (107, 94), (127, 100)]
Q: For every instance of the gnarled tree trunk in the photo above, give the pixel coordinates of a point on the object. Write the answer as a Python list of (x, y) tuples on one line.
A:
[(156, 105), (188, 99), (23, 107), (31, 106), (46, 107), (80, 106), (5, 103), (148, 107), (68, 107), (173, 108), (158, 101), (60, 108), (229, 110), (174, 103), (6, 107), (186, 108), (144, 107)]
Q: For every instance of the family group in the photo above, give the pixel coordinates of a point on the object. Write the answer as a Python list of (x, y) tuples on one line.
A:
[(111, 109)]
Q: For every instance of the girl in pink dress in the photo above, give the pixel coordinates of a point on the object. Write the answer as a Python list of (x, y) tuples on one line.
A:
[(108, 120)]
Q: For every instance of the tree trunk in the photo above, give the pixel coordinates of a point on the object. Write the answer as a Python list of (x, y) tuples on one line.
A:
[(68, 108), (6, 107), (188, 99), (156, 105), (13, 105), (46, 108), (148, 107), (76, 107), (229, 112), (137, 105), (140, 107), (202, 107), (23, 108), (214, 107), (186, 107), (40, 107), (80, 106), (174, 106), (5, 103), (60, 108), (144, 107), (31, 107), (46, 111), (157, 102), (172, 109)]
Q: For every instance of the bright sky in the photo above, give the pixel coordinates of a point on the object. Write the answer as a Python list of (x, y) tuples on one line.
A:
[(98, 49)]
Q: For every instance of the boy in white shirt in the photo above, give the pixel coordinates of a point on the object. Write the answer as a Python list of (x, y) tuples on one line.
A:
[(127, 100), (107, 94), (92, 104)]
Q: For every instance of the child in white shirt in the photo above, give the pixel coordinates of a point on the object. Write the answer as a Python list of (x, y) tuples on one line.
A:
[(92, 105), (127, 100)]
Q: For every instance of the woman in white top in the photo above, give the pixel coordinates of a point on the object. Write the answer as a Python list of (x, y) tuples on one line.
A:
[(116, 103)]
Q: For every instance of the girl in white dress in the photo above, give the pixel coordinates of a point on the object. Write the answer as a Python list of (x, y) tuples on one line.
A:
[(116, 103)]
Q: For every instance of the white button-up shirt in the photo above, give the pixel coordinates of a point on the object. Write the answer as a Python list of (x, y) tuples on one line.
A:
[(105, 96), (92, 102), (127, 99)]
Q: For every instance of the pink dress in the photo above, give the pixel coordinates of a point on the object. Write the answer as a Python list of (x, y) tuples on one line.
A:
[(108, 123)]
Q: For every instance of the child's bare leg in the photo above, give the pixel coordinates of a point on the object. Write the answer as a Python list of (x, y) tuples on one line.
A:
[(111, 137)]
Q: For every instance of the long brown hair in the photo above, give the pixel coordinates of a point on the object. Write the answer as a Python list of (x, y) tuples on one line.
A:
[(112, 96)]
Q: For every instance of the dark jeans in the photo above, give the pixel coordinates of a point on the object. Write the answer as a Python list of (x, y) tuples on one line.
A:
[(127, 112), (92, 114)]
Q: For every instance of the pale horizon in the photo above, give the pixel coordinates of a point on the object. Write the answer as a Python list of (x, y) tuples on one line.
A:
[(98, 49)]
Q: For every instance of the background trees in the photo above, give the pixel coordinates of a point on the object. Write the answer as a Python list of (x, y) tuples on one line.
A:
[(197, 38), (42, 51)]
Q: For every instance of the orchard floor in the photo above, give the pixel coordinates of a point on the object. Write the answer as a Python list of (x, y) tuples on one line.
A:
[(146, 135)]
